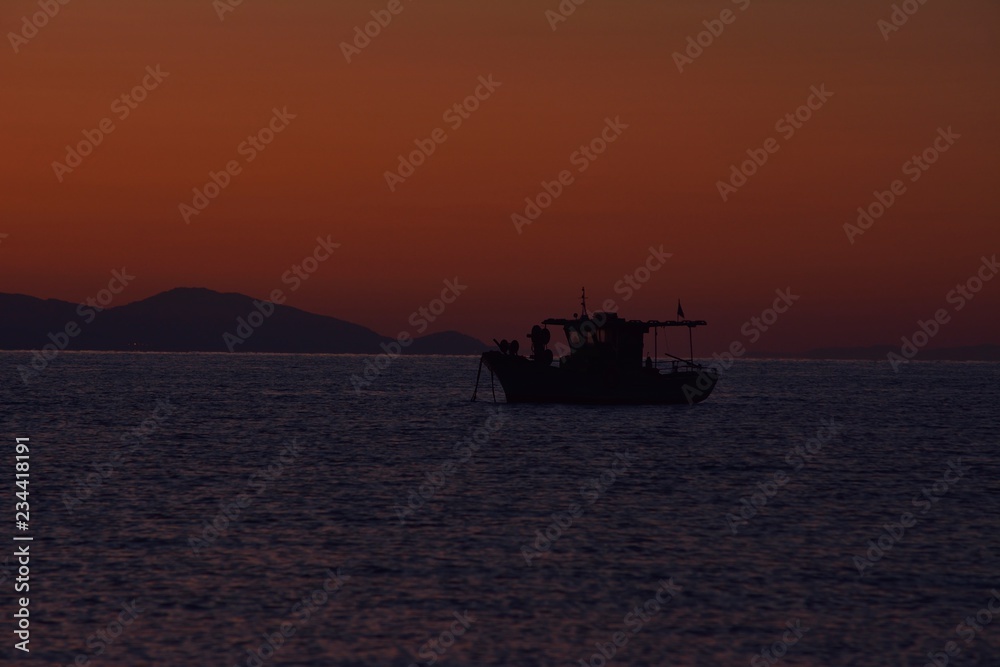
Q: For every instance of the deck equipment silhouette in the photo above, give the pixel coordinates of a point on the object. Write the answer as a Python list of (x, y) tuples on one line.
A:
[(602, 364)]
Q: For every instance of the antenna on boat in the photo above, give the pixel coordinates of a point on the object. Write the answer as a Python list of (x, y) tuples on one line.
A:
[(682, 318), (583, 304)]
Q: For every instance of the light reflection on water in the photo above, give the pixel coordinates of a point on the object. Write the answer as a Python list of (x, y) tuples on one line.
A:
[(335, 504)]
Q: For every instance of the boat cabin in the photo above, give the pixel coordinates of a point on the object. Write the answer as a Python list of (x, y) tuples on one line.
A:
[(609, 337)]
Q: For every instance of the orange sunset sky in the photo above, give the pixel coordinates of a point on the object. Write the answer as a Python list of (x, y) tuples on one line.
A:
[(655, 185)]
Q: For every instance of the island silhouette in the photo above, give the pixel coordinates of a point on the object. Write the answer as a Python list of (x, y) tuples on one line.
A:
[(196, 319), (190, 319)]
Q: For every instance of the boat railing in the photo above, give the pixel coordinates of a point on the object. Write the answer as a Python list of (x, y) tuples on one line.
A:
[(677, 362)]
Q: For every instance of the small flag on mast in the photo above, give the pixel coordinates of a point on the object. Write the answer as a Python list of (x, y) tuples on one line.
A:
[(680, 311)]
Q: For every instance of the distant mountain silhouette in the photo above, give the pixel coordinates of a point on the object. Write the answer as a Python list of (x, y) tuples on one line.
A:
[(447, 342), (195, 320)]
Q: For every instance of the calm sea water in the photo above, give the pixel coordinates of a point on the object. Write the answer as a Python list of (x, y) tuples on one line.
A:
[(750, 514)]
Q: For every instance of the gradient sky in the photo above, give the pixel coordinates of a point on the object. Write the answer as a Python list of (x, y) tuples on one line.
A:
[(655, 186)]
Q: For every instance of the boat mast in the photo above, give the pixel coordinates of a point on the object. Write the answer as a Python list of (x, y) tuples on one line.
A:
[(583, 304), (680, 314), (656, 354)]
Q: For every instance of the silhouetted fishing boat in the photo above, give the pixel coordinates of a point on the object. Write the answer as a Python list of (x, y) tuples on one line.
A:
[(602, 364)]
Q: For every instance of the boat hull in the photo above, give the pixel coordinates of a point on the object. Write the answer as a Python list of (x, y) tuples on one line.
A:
[(526, 381)]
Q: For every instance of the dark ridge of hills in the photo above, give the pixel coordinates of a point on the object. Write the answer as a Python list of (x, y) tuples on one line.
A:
[(200, 320), (447, 342), (189, 319)]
